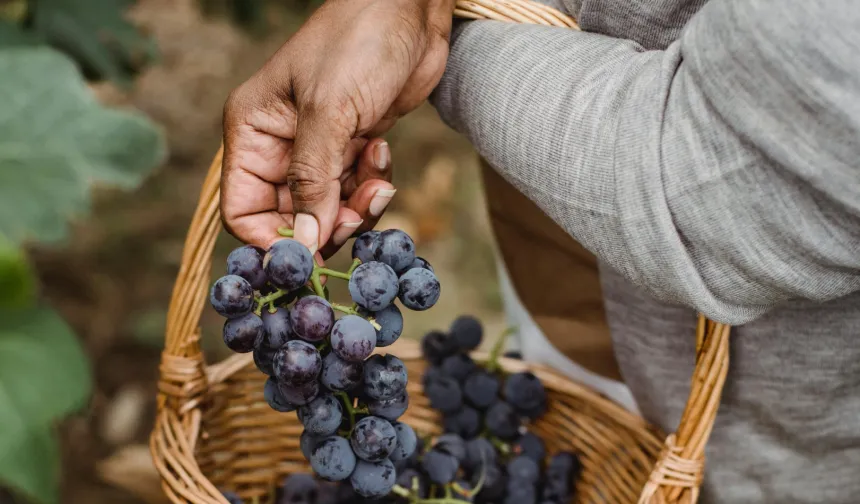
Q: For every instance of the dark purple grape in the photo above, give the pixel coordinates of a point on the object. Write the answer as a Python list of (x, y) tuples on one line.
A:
[(536, 411), (409, 477), (232, 498), (373, 286), (307, 443), (524, 470), (525, 392), (373, 479), (232, 296), (531, 446), (390, 409), (322, 416), (264, 358), (297, 363), (396, 249), (419, 289), (452, 444), (391, 321), (444, 394), (276, 328), (407, 441), (436, 345), (458, 366), (247, 262), (561, 472), (365, 245), (494, 483), (274, 397), (242, 334), (481, 389), (440, 467), (518, 493), (353, 339), (467, 332), (288, 264), (373, 439), (502, 421), (384, 376), (420, 262), (479, 452), (299, 488), (299, 394), (465, 423), (333, 459), (327, 495), (431, 374), (339, 375), (312, 318)]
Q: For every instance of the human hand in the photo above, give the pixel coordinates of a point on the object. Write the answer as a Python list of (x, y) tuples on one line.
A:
[(296, 152)]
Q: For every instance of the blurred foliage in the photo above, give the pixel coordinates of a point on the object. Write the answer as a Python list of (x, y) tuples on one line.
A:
[(252, 15), (56, 142)]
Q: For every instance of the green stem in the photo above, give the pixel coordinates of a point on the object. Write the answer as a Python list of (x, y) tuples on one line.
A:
[(347, 403), (270, 300), (285, 231), (355, 264), (332, 273), (402, 492), (352, 311), (500, 445), (492, 364)]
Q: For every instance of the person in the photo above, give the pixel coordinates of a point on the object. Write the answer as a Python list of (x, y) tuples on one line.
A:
[(706, 152)]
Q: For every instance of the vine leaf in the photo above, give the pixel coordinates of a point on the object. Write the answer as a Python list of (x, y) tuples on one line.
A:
[(56, 141), (43, 376), (16, 277)]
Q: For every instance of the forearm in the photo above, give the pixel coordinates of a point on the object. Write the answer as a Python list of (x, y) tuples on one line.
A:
[(688, 170)]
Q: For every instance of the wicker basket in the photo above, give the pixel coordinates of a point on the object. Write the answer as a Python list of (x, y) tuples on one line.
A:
[(215, 431)]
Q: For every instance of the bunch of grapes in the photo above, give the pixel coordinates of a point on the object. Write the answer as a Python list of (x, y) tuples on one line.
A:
[(319, 365)]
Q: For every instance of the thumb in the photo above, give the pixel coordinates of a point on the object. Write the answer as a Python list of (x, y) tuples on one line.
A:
[(316, 163)]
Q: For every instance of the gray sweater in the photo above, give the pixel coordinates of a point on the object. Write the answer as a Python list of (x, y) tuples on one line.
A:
[(708, 152)]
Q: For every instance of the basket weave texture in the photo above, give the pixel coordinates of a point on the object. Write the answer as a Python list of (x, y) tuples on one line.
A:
[(214, 430)]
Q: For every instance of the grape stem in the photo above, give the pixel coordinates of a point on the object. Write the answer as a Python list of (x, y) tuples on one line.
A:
[(492, 364), (500, 445), (332, 273), (270, 300), (413, 496), (351, 411), (355, 264), (353, 311)]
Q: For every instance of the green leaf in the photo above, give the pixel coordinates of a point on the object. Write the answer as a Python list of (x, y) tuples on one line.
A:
[(29, 458), (56, 141), (16, 278), (44, 373), (96, 34), (11, 34)]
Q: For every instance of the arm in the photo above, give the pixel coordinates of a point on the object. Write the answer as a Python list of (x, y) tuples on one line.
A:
[(721, 173)]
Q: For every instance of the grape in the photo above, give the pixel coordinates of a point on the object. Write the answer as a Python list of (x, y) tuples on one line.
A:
[(396, 249), (440, 467), (384, 376), (420, 262), (481, 389), (373, 479), (232, 498), (479, 452), (391, 321), (353, 339), (365, 245), (524, 470), (288, 264), (407, 441), (297, 363), (494, 485), (339, 375), (444, 394), (391, 408), (520, 494), (332, 459), (322, 416), (373, 439), (308, 442), (563, 468), (436, 345), (232, 296), (299, 394), (465, 423), (418, 289), (453, 445), (535, 411), (276, 328), (431, 374), (502, 421), (264, 359), (373, 286), (467, 332), (328, 494), (244, 333), (407, 477), (312, 318), (524, 392), (458, 366), (247, 262), (531, 446), (276, 400), (300, 488)]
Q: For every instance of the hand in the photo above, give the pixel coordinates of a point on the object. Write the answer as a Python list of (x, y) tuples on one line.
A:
[(294, 134)]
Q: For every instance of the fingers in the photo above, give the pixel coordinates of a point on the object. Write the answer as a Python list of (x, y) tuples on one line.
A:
[(373, 163)]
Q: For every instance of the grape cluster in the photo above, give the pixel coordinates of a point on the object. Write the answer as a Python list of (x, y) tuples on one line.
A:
[(323, 367)]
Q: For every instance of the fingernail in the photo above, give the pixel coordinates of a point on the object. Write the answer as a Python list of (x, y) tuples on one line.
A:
[(307, 231), (344, 231), (381, 200), (381, 156)]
